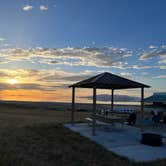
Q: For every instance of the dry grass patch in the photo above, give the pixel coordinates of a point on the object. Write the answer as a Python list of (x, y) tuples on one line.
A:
[(16, 117), (52, 145)]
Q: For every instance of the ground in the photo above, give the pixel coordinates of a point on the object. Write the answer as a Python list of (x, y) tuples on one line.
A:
[(32, 137), (11, 116)]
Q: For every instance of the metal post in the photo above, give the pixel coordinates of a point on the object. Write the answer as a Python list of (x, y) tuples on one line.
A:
[(142, 107), (73, 106), (112, 100), (94, 112)]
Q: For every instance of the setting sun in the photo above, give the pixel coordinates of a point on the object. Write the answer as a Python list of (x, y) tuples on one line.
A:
[(12, 81)]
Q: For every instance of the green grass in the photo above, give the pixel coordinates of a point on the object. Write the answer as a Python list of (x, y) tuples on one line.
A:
[(54, 145)]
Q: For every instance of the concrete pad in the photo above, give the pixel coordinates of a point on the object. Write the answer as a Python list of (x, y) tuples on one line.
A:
[(141, 152), (122, 140)]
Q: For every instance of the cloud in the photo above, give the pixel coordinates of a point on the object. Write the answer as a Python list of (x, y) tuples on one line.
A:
[(125, 74), (29, 79), (159, 53), (43, 8), (76, 77), (106, 57), (145, 73), (162, 67), (152, 46), (160, 76), (27, 8), (67, 77), (2, 39), (163, 60), (163, 46), (98, 57), (25, 74), (58, 78), (22, 75), (49, 61), (148, 55), (141, 67), (72, 56), (27, 86)]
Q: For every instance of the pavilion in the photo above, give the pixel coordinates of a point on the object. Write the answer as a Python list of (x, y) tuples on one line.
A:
[(105, 81)]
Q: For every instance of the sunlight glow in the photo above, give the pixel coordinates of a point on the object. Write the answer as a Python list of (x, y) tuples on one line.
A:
[(12, 81)]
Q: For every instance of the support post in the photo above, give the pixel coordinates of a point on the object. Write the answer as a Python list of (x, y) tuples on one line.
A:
[(94, 112), (142, 107), (112, 99), (73, 106)]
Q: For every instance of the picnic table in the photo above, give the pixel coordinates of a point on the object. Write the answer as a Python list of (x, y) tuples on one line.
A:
[(107, 120), (111, 119)]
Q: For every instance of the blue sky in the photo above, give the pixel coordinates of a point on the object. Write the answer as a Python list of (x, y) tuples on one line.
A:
[(83, 37), (121, 23)]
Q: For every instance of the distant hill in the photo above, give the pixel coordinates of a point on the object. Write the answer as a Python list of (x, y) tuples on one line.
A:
[(119, 98)]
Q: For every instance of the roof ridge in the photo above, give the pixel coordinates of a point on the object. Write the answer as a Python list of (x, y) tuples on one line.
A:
[(108, 80), (98, 77), (127, 79)]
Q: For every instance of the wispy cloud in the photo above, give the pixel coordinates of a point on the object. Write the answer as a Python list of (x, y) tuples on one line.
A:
[(160, 76), (126, 74), (43, 8), (76, 77), (98, 57), (149, 55), (152, 46), (162, 67), (26, 86), (65, 76), (141, 67), (163, 60), (159, 53), (27, 7), (39, 79), (2, 39)]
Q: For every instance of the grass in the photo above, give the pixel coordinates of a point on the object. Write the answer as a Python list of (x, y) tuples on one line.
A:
[(38, 138), (52, 145), (11, 116)]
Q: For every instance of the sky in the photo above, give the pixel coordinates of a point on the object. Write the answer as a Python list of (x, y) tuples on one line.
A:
[(46, 45)]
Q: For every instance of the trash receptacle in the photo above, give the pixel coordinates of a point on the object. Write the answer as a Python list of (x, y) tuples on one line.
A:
[(151, 139)]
